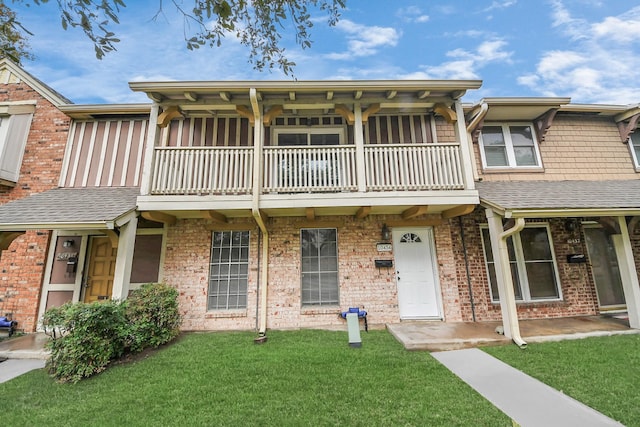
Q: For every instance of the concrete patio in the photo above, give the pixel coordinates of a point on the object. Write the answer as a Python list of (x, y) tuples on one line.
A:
[(442, 336)]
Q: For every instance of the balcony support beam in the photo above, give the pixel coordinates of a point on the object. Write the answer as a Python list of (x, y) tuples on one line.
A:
[(346, 114), (447, 113), (358, 139), (159, 217), (273, 112), (414, 212), (458, 211), (168, 114), (468, 167), (153, 137), (363, 212), (215, 216), (310, 213), (372, 109)]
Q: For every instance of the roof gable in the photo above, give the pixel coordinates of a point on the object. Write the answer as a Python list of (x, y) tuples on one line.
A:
[(13, 73)]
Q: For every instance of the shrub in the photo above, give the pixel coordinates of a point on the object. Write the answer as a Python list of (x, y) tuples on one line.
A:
[(91, 336), (87, 337), (153, 315)]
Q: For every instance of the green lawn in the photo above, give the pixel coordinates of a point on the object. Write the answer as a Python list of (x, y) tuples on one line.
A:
[(296, 378), (603, 372)]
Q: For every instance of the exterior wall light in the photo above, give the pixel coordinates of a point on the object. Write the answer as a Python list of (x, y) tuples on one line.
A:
[(385, 233)]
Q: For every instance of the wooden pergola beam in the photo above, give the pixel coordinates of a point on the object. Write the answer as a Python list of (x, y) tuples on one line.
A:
[(274, 112), (159, 217), (457, 211), (372, 109), (346, 113), (214, 216), (363, 212), (310, 213), (167, 115), (414, 212), (446, 112), (245, 112)]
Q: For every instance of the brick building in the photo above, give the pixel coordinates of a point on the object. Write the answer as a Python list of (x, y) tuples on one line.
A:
[(281, 204)]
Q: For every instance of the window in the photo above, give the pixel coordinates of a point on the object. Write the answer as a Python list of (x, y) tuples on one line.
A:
[(319, 249), (634, 145), (309, 136), (146, 258), (509, 145), (532, 261), (310, 167), (229, 270), (15, 122)]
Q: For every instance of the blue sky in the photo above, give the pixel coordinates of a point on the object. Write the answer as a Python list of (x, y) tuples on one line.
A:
[(588, 50)]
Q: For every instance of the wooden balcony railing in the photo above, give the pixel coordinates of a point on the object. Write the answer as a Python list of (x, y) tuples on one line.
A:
[(202, 170), (413, 167), (228, 170), (304, 169)]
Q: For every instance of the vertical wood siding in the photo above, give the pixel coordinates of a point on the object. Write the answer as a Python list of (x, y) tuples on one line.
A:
[(207, 132), (105, 153), (403, 129)]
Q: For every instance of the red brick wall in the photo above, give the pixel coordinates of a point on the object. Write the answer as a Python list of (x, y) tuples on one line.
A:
[(577, 286), (361, 283), (22, 265)]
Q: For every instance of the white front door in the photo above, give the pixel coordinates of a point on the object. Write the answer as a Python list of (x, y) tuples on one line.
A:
[(416, 274)]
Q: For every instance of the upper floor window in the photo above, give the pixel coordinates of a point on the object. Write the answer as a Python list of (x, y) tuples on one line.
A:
[(309, 136), (509, 145), (15, 121), (634, 145)]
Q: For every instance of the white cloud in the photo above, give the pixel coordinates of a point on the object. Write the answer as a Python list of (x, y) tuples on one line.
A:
[(500, 5), (363, 40), (573, 27), (413, 14), (597, 67), (465, 63), (621, 29)]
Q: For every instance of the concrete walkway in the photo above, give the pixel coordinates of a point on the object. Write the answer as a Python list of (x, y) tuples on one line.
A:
[(11, 368), (22, 354), (524, 399)]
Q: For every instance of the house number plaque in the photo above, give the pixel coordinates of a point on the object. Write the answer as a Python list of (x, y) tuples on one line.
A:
[(383, 247)]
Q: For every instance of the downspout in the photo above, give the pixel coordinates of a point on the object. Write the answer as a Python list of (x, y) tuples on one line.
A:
[(471, 128), (484, 107), (258, 285), (506, 272), (466, 266), (255, 211)]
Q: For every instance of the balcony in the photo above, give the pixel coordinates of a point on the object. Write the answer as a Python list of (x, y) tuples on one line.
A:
[(307, 169)]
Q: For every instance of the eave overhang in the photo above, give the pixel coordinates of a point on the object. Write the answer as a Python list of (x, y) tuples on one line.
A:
[(71, 209), (517, 108), (204, 97), (550, 199), (92, 111)]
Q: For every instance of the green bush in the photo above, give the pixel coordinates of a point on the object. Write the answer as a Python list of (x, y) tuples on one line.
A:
[(91, 336), (87, 337), (153, 315)]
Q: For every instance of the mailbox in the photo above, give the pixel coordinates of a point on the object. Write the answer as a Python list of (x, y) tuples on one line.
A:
[(384, 263), (576, 258)]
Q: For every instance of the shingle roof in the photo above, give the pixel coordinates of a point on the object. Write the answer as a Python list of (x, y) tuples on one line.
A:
[(70, 205), (623, 194)]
